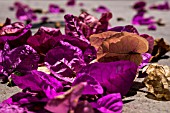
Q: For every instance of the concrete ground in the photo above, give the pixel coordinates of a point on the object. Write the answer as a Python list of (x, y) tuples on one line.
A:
[(137, 103)]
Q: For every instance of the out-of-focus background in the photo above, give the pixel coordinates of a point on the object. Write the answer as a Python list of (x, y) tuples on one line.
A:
[(120, 9)]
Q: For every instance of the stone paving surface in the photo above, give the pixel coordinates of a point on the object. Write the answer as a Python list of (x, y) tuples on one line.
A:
[(138, 103)]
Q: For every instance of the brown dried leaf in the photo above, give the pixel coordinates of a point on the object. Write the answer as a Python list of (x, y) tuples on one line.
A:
[(160, 49), (158, 81), (114, 46)]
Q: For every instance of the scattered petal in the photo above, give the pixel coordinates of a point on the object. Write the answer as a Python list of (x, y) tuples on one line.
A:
[(152, 27), (139, 5), (101, 9), (127, 28), (71, 2), (162, 6), (54, 8)]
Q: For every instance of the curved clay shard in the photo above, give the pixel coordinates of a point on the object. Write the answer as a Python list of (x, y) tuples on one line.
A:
[(114, 46)]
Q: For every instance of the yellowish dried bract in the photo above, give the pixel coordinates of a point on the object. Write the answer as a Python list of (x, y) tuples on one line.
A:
[(158, 81)]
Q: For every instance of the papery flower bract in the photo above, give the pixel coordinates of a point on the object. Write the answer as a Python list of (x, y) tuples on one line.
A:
[(114, 46), (163, 6), (101, 9), (116, 77), (84, 107), (66, 102), (32, 102), (139, 5), (146, 58), (15, 33), (73, 28), (22, 59), (65, 60), (150, 40), (111, 103), (160, 48), (85, 25), (38, 81), (157, 81), (152, 27), (104, 22), (93, 87), (54, 8), (6, 108), (139, 19), (127, 28), (90, 54), (24, 12), (71, 2), (44, 40)]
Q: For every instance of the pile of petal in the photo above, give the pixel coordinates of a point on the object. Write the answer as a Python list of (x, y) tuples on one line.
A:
[(88, 69)]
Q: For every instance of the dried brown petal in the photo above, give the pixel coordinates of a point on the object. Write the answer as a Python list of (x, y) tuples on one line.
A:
[(114, 46), (157, 81), (160, 49)]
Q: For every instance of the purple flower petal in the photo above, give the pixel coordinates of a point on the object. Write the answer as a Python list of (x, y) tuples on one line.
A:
[(54, 8), (102, 9), (139, 5), (22, 59), (74, 28), (44, 19), (90, 54), (150, 40), (25, 13), (111, 103), (6, 108), (152, 27), (93, 87), (38, 81), (116, 77), (139, 19), (28, 101), (65, 60), (81, 4), (127, 28), (71, 2), (66, 102), (163, 6), (146, 58), (44, 40), (104, 22), (16, 34), (84, 107), (83, 45)]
